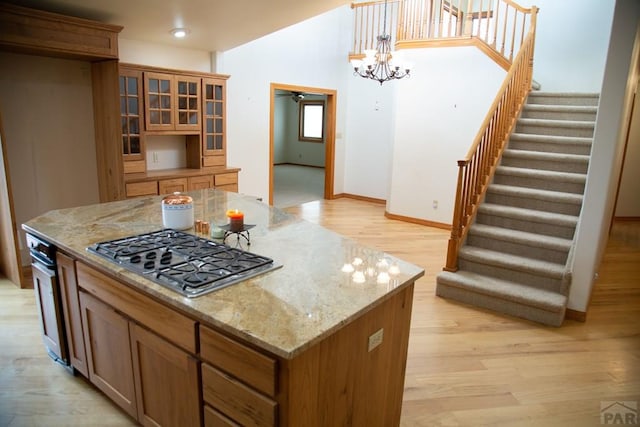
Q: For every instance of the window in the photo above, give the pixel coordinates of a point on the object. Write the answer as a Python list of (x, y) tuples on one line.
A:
[(311, 121)]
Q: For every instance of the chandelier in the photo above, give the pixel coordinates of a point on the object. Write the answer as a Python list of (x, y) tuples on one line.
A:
[(377, 64)]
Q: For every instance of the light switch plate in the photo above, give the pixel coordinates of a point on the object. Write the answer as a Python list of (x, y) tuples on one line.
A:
[(376, 339)]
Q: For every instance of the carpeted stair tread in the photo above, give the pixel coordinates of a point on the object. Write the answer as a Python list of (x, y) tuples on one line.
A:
[(520, 237), (561, 108), (578, 124), (528, 215), (512, 262), (534, 193), (551, 138), (504, 290), (546, 156), (579, 178)]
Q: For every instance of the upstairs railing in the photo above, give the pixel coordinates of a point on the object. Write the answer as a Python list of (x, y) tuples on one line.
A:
[(498, 27), (476, 170)]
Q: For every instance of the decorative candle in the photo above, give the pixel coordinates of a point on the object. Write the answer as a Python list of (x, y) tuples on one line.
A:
[(236, 220)]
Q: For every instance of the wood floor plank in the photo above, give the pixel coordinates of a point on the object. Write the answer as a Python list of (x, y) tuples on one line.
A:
[(465, 367)]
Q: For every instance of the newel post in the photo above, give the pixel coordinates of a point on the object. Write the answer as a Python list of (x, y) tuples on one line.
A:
[(456, 229)]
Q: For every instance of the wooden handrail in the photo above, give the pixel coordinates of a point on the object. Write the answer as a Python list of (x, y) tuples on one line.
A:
[(476, 170), (498, 24)]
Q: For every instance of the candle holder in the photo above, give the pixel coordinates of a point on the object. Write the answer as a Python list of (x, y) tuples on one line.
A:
[(243, 232)]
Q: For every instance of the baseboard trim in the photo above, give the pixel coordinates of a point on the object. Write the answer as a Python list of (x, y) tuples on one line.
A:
[(362, 198), (27, 277), (419, 221), (626, 218), (579, 316)]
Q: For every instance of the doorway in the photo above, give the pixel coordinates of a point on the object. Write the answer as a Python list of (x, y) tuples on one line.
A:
[(297, 93)]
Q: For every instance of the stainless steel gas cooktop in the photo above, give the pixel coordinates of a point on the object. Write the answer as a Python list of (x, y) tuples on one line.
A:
[(188, 264)]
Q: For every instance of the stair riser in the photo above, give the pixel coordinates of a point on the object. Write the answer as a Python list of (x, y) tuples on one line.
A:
[(559, 115), (542, 129), (562, 100), (500, 305), (523, 277), (554, 230), (530, 203), (550, 147), (559, 166), (520, 249), (542, 184)]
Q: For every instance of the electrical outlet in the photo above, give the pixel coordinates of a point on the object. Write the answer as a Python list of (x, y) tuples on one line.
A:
[(376, 339), (435, 204), (155, 157)]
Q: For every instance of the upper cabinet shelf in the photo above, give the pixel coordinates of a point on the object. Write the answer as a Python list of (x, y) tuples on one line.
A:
[(50, 34)]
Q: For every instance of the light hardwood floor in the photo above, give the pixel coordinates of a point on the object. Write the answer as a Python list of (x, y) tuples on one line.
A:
[(466, 366)]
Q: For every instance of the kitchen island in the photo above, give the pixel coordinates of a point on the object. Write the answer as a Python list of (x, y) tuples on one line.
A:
[(320, 341)]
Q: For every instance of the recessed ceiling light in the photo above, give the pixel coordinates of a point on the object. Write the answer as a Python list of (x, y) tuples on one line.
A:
[(179, 33)]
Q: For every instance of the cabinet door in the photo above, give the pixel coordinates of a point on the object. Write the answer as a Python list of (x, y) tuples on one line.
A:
[(159, 100), (213, 117), (131, 114), (71, 309), (187, 108), (167, 186), (167, 381), (106, 335), (45, 287)]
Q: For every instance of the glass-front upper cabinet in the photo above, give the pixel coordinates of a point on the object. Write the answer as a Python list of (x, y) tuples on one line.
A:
[(172, 102), (159, 95), (188, 103), (213, 132), (131, 114)]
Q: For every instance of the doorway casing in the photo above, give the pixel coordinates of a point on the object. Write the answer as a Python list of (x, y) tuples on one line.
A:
[(330, 133)]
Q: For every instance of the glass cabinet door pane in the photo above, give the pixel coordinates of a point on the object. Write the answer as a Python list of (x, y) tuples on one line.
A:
[(134, 125), (154, 101), (154, 85), (183, 118), (218, 109), (209, 126), (193, 118), (209, 92), (166, 117), (209, 111), (218, 145), (166, 101), (132, 86), (122, 85), (182, 88), (165, 86), (182, 103), (218, 125), (193, 103), (135, 145), (154, 116), (218, 92), (209, 142), (193, 88), (123, 105), (123, 125), (133, 105), (125, 145)]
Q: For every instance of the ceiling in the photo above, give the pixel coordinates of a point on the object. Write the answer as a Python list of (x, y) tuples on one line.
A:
[(215, 25)]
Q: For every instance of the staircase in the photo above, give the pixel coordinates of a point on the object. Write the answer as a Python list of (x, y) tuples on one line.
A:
[(517, 255)]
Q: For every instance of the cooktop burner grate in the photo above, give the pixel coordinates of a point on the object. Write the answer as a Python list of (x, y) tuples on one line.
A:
[(188, 264)]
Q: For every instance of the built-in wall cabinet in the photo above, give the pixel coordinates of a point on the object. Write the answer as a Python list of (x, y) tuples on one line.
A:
[(157, 102)]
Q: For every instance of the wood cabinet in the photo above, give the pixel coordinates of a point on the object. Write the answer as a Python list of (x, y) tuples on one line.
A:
[(154, 380), (166, 380), (72, 314), (214, 118), (167, 186), (106, 334), (47, 300), (144, 188), (200, 182), (132, 119), (172, 102)]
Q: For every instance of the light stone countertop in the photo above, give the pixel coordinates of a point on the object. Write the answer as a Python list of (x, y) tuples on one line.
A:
[(283, 311)]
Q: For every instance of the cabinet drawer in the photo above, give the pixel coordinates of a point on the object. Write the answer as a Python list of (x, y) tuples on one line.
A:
[(147, 188), (249, 366), (226, 178), (229, 187), (213, 418), (167, 186), (236, 400), (170, 324), (200, 182), (208, 161)]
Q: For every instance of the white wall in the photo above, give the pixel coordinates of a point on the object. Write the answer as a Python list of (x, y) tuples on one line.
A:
[(607, 151), (301, 152), (313, 54), (280, 129), (438, 112), (47, 113), (571, 43), (165, 56)]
